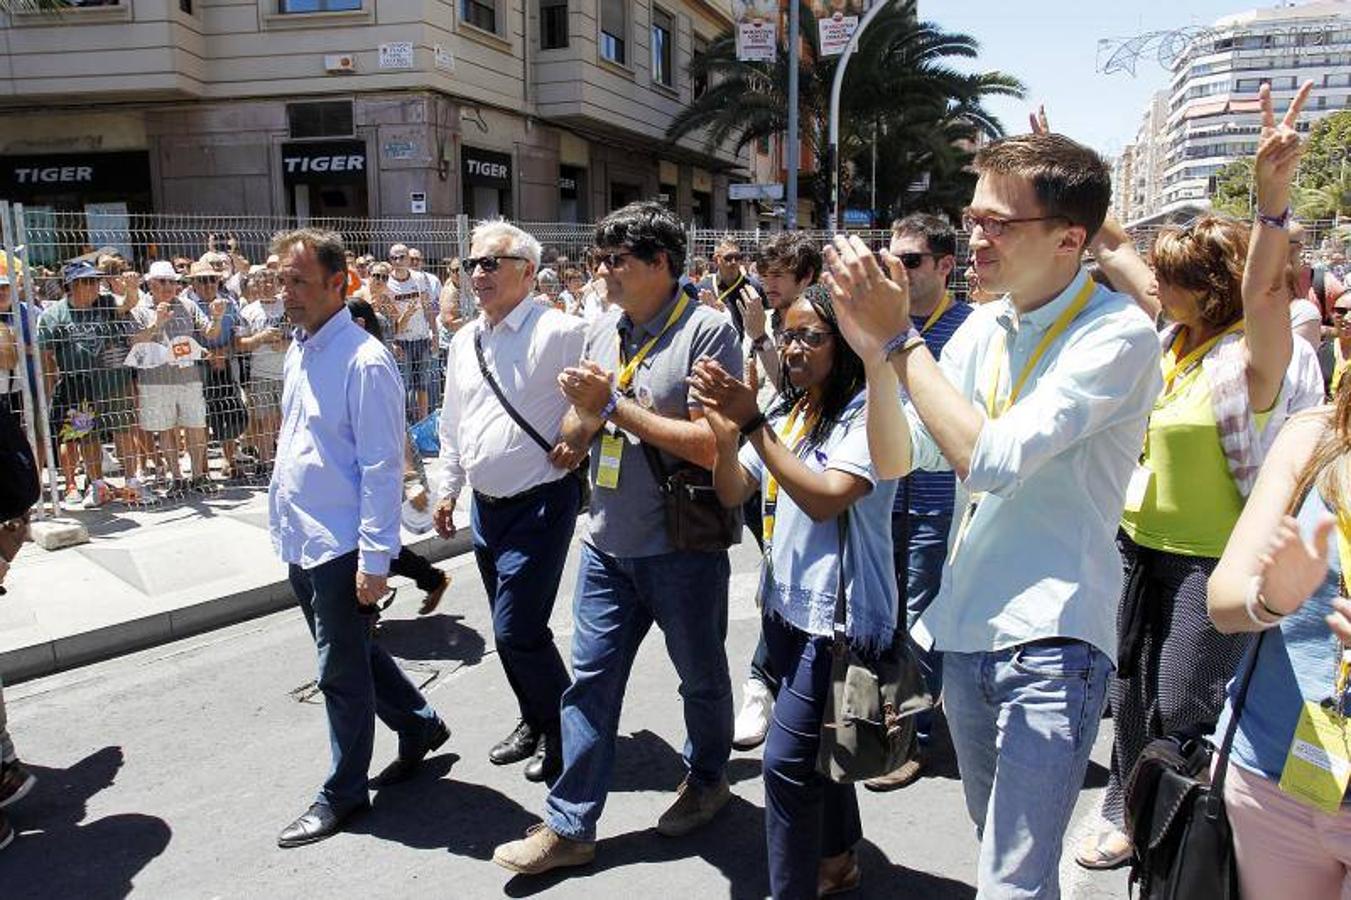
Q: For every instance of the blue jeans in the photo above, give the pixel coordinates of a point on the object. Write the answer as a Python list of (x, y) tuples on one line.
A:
[(807, 816), (520, 547), (358, 678), (1023, 722), (923, 565), (617, 601)]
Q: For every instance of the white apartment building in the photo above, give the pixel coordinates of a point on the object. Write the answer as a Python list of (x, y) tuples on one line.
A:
[(1212, 115), (540, 110)]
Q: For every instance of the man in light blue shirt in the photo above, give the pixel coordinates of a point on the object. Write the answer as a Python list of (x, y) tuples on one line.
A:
[(1039, 406), (333, 509)]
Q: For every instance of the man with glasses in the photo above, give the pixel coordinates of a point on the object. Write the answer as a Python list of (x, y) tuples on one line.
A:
[(1039, 407), (729, 278), (922, 516), (632, 405), (411, 327), (524, 501), (171, 394)]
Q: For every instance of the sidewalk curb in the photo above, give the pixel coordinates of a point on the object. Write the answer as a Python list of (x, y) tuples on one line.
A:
[(62, 654)]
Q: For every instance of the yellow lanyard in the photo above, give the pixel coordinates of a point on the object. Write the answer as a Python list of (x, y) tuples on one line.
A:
[(1173, 367), (943, 306), (1340, 367), (793, 441), (723, 295), (631, 367), (992, 404)]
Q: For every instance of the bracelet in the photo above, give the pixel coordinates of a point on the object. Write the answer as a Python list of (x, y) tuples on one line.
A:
[(760, 343), (902, 343), (1280, 221), (609, 408), (1253, 599), (753, 425)]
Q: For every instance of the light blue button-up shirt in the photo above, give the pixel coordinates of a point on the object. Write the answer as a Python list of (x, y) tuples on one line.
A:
[(338, 482), (1039, 559)]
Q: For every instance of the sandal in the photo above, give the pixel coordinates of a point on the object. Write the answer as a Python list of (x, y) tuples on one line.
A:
[(1104, 850)]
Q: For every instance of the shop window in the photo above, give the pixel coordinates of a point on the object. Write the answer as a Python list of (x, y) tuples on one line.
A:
[(314, 6), (480, 14), (613, 30), (322, 119), (663, 48), (553, 24)]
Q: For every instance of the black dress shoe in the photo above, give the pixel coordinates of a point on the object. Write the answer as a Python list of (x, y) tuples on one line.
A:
[(513, 748), (547, 763), (318, 823), (405, 767)]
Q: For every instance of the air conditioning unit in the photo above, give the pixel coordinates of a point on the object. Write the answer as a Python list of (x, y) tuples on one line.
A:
[(340, 63)]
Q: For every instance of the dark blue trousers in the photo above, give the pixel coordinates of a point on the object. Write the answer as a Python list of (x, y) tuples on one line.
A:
[(521, 547), (358, 678), (808, 817)]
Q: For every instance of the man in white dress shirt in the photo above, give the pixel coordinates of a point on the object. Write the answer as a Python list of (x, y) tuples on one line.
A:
[(525, 502)]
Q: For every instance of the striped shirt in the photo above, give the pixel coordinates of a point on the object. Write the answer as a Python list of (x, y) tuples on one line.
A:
[(931, 493)]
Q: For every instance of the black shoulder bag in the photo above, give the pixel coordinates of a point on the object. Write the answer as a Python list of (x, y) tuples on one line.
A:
[(1175, 815), (695, 517), (869, 720), (583, 471)]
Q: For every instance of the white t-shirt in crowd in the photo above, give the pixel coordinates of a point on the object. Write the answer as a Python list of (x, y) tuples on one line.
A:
[(259, 315), (414, 291)]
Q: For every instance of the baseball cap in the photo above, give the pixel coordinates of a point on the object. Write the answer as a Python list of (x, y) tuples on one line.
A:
[(78, 271)]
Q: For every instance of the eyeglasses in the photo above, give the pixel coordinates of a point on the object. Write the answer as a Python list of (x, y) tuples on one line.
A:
[(394, 257), (733, 257), (379, 278), (488, 263), (913, 260), (807, 337), (993, 226), (609, 260), (1340, 313)]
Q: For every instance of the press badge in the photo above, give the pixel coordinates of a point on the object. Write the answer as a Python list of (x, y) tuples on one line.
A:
[(1318, 765), (611, 453), (1138, 488)]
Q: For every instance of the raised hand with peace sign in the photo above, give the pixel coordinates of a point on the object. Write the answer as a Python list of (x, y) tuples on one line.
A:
[(1278, 152)]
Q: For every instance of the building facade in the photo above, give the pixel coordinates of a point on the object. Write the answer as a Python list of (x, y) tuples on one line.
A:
[(539, 110), (1213, 115)]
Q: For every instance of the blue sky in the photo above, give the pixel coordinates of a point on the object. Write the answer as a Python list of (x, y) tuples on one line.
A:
[(1054, 52)]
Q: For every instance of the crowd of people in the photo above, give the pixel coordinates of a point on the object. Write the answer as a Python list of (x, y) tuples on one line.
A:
[(1075, 485)]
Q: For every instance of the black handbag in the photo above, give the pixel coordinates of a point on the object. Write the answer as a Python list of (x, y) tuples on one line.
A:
[(869, 721), (1175, 815), (695, 517), (20, 487), (583, 470)]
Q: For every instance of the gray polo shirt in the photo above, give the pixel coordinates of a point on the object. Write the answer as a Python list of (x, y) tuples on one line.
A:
[(630, 520)]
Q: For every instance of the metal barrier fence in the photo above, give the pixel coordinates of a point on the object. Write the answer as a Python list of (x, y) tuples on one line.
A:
[(175, 389)]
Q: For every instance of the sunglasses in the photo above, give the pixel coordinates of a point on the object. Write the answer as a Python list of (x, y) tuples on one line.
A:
[(609, 260), (807, 337), (913, 260), (993, 226), (394, 257), (487, 263), (379, 278), (733, 257)]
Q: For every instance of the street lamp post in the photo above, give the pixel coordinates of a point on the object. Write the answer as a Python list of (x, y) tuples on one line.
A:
[(833, 146), (791, 162)]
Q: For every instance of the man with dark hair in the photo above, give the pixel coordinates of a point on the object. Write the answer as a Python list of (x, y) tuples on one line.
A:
[(631, 404), (333, 506), (922, 516), (1039, 407)]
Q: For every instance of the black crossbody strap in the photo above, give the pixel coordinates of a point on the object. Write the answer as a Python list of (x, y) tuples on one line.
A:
[(502, 398), (841, 603)]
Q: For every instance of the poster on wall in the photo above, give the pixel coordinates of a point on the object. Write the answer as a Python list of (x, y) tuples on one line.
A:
[(757, 24), (109, 225), (836, 21)]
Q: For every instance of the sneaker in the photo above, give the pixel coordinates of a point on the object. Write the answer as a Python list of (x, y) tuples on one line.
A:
[(695, 806), (74, 499), (6, 832), (95, 495), (137, 494), (203, 484), (752, 723), (15, 783), (176, 489), (543, 849)]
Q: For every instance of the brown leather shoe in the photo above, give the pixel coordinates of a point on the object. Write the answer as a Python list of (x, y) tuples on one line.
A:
[(838, 874), (907, 774), (695, 806), (543, 849), (433, 598)]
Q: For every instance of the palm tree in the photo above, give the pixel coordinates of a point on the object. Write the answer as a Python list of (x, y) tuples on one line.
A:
[(899, 90), (10, 7)]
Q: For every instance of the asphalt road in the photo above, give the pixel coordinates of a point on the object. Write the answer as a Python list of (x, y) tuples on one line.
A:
[(169, 773)]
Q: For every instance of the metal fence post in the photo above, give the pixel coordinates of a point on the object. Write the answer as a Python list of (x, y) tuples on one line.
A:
[(462, 230)]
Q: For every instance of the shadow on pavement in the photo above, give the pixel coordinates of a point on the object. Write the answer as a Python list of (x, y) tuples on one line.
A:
[(645, 762), (59, 854), (1097, 776), (441, 636), (884, 878)]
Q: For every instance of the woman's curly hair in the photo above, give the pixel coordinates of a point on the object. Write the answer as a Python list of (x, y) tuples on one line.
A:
[(1206, 256)]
